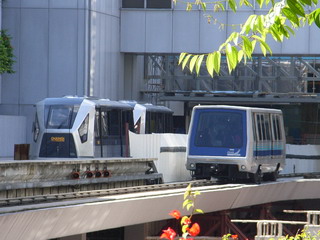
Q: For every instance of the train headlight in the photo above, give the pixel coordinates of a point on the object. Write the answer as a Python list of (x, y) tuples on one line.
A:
[(192, 165), (243, 167), (83, 129)]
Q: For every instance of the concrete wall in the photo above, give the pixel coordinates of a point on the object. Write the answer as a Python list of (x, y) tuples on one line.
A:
[(176, 30), (168, 148), (61, 48), (12, 131)]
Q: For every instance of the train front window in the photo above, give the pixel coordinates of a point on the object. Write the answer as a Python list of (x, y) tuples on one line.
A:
[(61, 116), (219, 129)]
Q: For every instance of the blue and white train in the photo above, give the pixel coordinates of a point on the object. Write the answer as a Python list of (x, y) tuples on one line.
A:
[(232, 143)]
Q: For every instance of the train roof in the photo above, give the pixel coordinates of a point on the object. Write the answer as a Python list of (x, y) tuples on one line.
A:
[(254, 109), (98, 102)]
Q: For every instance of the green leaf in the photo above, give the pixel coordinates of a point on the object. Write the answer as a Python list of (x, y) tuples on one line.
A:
[(189, 206), (182, 55), (240, 55), (246, 26), (245, 2), (184, 228), (307, 2), (296, 7), (314, 17), (291, 16), (232, 5), (230, 58), (217, 61), (193, 62), (183, 219), (186, 202), (275, 34), (204, 6), (290, 30), (198, 63), (247, 46), (263, 45), (260, 3), (189, 7), (185, 61), (198, 211), (260, 24), (209, 64)]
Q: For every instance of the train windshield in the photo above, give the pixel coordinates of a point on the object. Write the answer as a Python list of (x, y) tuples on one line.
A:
[(219, 129), (60, 116)]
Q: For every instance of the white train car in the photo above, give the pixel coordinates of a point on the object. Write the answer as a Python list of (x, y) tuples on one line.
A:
[(230, 142), (80, 127)]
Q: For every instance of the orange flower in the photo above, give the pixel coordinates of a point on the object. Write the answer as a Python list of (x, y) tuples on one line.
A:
[(187, 221), (175, 213), (168, 234), (234, 236), (194, 230)]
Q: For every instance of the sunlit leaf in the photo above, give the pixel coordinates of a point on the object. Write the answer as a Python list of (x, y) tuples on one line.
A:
[(240, 55), (217, 61), (198, 63), (193, 62), (189, 7), (229, 57), (307, 2), (247, 46), (296, 7), (198, 211), (186, 202), (291, 16), (263, 45), (185, 61), (204, 6), (232, 5), (189, 206), (246, 26), (183, 219), (184, 228), (182, 55), (209, 64)]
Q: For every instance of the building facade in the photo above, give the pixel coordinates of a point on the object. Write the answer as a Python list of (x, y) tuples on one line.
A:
[(128, 49)]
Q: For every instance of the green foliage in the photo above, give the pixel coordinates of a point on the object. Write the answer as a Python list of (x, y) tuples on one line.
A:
[(303, 235), (280, 22), (6, 53)]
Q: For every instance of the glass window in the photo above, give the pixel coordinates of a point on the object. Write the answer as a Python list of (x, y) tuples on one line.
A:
[(159, 3), (219, 129), (61, 116), (267, 128), (133, 3)]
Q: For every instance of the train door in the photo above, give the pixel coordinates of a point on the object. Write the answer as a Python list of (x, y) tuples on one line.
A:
[(107, 133), (263, 136)]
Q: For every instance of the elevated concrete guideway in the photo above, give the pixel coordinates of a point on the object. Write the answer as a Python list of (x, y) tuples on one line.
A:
[(52, 220)]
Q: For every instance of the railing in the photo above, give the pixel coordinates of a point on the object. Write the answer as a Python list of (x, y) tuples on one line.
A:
[(267, 229)]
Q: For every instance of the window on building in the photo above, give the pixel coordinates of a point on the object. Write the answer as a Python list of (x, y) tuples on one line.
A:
[(159, 3), (133, 3)]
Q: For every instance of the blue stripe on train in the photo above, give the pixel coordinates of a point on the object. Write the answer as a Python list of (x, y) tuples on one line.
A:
[(267, 152)]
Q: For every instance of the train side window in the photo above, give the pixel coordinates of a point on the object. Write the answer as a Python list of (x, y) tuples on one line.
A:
[(97, 125), (267, 127), (113, 123), (280, 137), (259, 130)]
